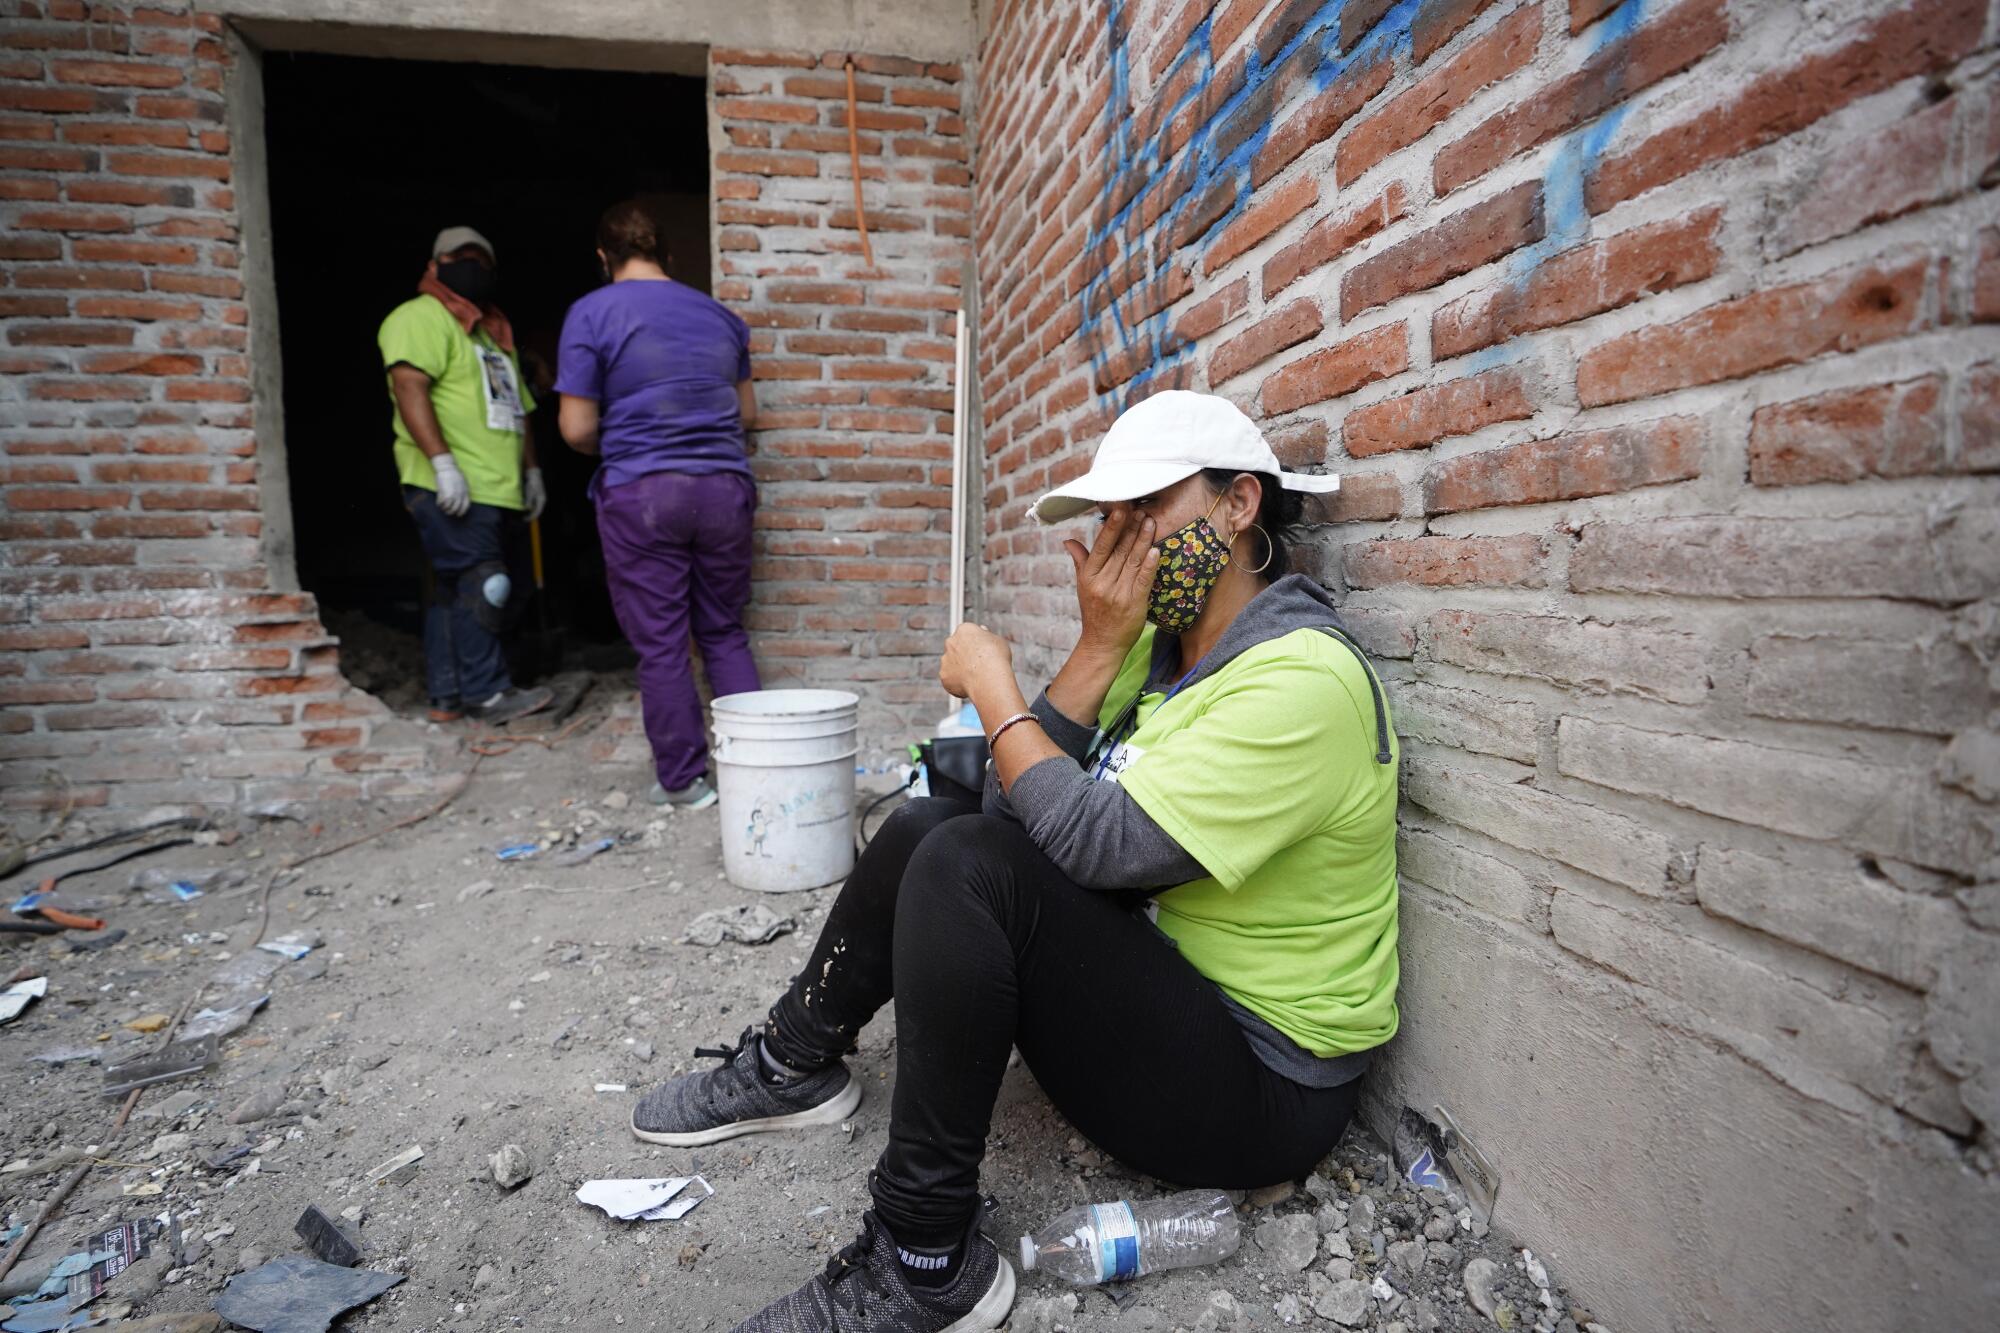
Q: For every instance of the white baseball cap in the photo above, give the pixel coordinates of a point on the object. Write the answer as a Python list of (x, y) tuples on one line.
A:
[(1168, 438), (453, 238)]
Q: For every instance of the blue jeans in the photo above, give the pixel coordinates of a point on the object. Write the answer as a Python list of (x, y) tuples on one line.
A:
[(462, 658)]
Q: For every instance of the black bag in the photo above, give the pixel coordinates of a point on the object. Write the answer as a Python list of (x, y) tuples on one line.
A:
[(957, 768)]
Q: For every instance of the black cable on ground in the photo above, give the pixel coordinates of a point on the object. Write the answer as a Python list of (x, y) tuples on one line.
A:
[(861, 829), (123, 835)]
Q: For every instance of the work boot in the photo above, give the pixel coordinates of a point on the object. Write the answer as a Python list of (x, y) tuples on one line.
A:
[(742, 1097), (697, 795), (511, 703), (865, 1289), (445, 710)]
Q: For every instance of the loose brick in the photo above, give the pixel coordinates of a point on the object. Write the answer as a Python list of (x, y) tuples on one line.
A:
[(1337, 370), (1586, 655), (1945, 560), (1852, 308), (1885, 430), (1263, 340), (1912, 39), (1437, 412), (1333, 236), (1461, 243), (1447, 562), (1581, 282), (1658, 48), (1410, 115), (1263, 217), (1568, 467)]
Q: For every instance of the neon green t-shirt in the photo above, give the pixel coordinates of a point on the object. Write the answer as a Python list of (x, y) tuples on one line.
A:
[(477, 392), (1265, 772)]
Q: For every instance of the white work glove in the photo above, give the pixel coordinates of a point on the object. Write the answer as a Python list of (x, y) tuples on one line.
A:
[(534, 492), (453, 496)]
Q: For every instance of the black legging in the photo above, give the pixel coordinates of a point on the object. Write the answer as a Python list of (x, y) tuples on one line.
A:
[(987, 945)]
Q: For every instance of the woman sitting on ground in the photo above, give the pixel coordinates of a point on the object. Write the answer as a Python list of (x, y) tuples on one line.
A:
[(1180, 903)]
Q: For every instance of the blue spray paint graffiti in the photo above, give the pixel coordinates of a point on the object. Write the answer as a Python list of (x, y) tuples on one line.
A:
[(1127, 316)]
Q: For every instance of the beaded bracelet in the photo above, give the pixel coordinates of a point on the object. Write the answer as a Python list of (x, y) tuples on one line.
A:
[(1001, 730)]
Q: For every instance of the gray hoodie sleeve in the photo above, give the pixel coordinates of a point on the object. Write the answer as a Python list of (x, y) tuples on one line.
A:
[(1093, 831), (1096, 833)]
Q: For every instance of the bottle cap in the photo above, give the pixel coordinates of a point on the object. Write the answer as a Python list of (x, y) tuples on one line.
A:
[(1028, 1255)]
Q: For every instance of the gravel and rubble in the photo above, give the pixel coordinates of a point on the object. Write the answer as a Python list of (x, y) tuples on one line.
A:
[(472, 1008)]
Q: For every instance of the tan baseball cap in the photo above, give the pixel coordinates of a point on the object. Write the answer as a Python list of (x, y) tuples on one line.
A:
[(1168, 438), (452, 238)]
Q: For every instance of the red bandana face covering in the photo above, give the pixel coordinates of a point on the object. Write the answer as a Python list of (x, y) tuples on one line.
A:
[(1191, 560)]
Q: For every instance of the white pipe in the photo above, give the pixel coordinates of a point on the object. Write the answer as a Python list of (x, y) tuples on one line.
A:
[(959, 435)]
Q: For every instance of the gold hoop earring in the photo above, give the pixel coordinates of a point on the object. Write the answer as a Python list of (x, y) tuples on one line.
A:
[(1270, 550)]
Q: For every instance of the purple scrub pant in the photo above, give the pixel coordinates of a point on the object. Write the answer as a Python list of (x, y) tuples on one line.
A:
[(677, 556)]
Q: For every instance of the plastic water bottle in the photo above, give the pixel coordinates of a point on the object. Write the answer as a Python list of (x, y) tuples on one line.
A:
[(1109, 1242)]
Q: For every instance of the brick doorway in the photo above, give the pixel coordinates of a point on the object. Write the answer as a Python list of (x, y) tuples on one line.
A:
[(529, 156)]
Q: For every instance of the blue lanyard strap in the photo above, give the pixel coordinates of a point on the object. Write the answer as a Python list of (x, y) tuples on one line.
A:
[(1128, 721)]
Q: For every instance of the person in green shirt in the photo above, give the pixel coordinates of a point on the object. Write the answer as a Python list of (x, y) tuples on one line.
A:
[(467, 465), (1179, 902)]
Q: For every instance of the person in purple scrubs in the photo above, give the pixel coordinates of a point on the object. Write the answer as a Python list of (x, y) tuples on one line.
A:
[(655, 381)]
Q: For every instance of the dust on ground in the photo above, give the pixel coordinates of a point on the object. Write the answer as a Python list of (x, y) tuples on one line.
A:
[(457, 1003)]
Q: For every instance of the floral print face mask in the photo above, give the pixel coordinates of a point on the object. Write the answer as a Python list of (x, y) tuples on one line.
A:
[(1191, 560)]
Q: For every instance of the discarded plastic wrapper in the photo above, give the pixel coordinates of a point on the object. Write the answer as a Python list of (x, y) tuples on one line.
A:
[(582, 852), (293, 946), (17, 996), (200, 879), (520, 851), (752, 923), (645, 1200), (63, 1055), (177, 1061), (1435, 1154), (399, 1168), (222, 1022), (28, 902), (183, 890), (299, 1295), (113, 1251)]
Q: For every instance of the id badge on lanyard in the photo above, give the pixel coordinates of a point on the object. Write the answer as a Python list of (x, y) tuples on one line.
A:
[(1114, 750), (504, 410)]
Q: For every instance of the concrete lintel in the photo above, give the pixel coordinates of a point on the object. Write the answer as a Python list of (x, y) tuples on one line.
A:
[(603, 34)]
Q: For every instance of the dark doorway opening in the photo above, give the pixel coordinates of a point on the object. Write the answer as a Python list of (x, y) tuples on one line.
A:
[(368, 160)]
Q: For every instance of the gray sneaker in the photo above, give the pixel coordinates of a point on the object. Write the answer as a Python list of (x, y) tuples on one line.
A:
[(863, 1291), (697, 795), (718, 1104), (509, 704)]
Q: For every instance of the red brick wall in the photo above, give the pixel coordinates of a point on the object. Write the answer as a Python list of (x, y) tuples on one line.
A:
[(143, 654), (143, 651), (1655, 345), (853, 363)]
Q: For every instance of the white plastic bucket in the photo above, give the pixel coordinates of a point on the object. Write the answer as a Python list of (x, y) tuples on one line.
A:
[(784, 769)]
